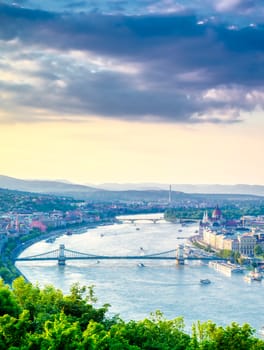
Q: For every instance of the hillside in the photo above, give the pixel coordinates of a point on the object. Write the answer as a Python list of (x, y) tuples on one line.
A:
[(96, 194), (257, 190), (12, 200), (41, 186)]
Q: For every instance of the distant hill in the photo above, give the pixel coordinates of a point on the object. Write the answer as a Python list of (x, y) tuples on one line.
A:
[(140, 192), (42, 186), (82, 191), (257, 190)]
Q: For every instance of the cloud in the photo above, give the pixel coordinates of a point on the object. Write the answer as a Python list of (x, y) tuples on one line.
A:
[(237, 5), (158, 67)]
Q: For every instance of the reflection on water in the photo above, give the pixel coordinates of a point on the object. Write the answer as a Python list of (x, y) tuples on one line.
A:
[(134, 292)]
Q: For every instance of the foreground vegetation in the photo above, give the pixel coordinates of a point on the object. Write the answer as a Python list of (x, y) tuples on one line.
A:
[(34, 318)]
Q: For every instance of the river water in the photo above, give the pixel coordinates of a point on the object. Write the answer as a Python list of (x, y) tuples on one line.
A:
[(134, 292)]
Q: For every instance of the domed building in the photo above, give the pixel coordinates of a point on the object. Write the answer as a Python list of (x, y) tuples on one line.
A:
[(214, 222), (217, 214)]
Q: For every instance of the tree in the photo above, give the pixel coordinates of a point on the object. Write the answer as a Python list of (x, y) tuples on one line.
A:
[(226, 254), (258, 250), (79, 305), (155, 333), (58, 334), (8, 303), (211, 337), (237, 257)]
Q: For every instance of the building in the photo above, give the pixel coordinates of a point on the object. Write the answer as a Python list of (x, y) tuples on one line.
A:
[(217, 233), (247, 243)]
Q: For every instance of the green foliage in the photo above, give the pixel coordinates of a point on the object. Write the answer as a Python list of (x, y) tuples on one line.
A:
[(228, 211), (32, 235), (6, 274), (8, 303), (226, 254), (204, 247), (156, 333), (258, 250), (32, 318), (8, 271), (173, 214), (78, 306), (18, 201), (58, 334), (234, 337)]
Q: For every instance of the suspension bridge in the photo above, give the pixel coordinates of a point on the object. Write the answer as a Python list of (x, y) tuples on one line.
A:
[(62, 254)]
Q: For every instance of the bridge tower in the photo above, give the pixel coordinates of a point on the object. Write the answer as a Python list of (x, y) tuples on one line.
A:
[(179, 255), (61, 258)]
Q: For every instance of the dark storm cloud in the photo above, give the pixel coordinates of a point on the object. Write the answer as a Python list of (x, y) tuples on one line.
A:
[(179, 60)]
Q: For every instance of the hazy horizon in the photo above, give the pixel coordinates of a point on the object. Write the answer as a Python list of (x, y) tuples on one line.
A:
[(164, 91), (147, 184)]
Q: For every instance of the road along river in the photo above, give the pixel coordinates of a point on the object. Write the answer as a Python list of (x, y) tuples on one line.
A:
[(133, 291)]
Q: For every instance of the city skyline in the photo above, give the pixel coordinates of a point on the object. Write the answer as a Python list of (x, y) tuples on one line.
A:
[(156, 91)]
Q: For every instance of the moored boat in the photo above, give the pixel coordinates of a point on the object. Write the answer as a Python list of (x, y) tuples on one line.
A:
[(226, 268)]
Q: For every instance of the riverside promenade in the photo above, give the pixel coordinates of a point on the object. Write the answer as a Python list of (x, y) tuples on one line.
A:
[(21, 246), (54, 234)]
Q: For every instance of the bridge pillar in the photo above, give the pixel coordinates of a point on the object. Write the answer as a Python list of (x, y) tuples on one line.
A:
[(179, 255), (61, 258)]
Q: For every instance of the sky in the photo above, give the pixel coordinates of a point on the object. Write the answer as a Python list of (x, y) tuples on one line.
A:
[(166, 91)]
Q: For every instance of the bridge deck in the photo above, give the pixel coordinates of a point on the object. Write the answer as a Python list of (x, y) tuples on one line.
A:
[(64, 254), (118, 258)]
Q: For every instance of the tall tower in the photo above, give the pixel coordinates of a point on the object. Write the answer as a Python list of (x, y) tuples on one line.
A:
[(17, 226), (170, 194), (205, 217)]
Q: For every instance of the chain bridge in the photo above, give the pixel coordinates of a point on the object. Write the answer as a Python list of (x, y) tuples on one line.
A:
[(62, 254)]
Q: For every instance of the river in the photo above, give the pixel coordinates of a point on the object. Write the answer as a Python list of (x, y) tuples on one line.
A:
[(134, 292)]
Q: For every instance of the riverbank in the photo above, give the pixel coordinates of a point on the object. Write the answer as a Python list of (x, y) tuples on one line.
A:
[(56, 233), (9, 255)]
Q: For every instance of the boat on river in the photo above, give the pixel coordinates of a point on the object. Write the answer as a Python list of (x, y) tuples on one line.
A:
[(261, 331), (205, 281), (140, 265), (253, 276), (51, 240), (226, 268)]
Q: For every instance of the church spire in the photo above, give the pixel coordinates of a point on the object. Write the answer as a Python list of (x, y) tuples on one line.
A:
[(205, 217)]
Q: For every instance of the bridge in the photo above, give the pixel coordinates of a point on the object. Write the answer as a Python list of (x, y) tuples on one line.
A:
[(62, 254), (132, 221)]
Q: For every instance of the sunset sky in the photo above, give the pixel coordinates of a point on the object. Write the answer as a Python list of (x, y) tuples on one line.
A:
[(166, 91)]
